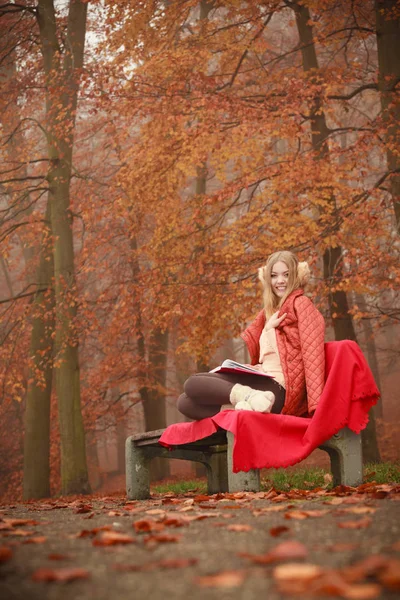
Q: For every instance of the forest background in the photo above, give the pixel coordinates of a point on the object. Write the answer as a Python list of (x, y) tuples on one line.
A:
[(153, 154)]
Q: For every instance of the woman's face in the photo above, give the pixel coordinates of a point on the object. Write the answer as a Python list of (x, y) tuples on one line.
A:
[(279, 278)]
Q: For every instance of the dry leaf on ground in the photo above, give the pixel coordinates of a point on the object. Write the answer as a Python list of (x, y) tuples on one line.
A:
[(171, 563), (5, 554), (277, 531), (146, 525), (225, 579), (289, 550), (239, 527), (60, 575), (360, 524), (112, 538), (313, 580), (58, 556), (161, 538)]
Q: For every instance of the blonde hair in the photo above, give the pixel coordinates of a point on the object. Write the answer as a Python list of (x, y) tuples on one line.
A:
[(298, 276)]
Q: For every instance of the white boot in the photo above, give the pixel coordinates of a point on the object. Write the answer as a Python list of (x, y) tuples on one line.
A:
[(262, 401), (243, 397)]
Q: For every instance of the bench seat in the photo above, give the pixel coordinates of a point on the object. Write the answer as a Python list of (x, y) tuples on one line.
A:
[(215, 452)]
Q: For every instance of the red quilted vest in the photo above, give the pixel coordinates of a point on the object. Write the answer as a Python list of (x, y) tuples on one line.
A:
[(300, 340)]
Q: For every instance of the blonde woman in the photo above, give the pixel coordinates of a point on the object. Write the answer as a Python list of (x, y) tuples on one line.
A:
[(285, 341)]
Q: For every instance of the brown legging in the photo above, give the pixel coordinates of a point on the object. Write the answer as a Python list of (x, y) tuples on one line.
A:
[(205, 393)]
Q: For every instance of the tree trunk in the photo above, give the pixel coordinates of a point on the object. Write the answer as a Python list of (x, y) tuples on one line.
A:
[(121, 439), (370, 446), (388, 44), (93, 459), (62, 68), (36, 482), (338, 303), (36, 440), (153, 395)]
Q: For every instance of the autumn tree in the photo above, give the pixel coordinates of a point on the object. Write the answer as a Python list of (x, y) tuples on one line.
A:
[(62, 50)]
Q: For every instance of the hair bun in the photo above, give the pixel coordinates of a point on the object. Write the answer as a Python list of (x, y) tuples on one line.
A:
[(303, 273)]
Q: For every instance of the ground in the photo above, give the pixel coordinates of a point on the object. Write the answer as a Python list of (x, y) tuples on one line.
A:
[(244, 545)]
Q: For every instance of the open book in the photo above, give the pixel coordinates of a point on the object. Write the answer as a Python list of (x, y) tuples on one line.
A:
[(231, 366)]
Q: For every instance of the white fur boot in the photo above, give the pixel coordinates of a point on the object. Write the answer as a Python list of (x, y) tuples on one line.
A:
[(243, 397)]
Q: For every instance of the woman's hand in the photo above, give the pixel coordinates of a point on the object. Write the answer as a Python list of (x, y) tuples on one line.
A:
[(274, 321)]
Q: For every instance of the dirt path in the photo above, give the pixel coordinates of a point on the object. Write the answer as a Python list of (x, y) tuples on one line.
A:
[(245, 546)]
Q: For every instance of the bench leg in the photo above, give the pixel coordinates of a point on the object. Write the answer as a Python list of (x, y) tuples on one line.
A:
[(345, 452), (240, 482), (217, 473), (137, 472)]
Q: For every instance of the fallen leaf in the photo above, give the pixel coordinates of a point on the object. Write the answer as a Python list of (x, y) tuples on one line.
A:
[(365, 591), (83, 508), (91, 532), (276, 508), (224, 579), (61, 575), (239, 527), (296, 514), (305, 572), (146, 525), (305, 514), (155, 511), (370, 566), (18, 533), (380, 494), (168, 563), (57, 556), (331, 583), (284, 551), (202, 516), (354, 499), (5, 554), (356, 510), (177, 563), (360, 524), (112, 538), (161, 538), (20, 522), (277, 531), (172, 521), (342, 490), (334, 501), (390, 577)]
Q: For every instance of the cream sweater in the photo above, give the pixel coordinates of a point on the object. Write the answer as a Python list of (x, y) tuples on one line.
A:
[(269, 356)]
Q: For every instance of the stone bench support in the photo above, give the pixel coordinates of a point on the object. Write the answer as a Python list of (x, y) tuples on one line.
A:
[(216, 451)]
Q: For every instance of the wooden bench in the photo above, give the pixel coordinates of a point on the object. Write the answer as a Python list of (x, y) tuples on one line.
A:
[(215, 452)]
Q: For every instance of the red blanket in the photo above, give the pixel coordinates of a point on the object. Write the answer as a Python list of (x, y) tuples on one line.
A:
[(266, 440)]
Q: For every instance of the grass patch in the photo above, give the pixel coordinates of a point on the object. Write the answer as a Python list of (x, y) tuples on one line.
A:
[(382, 472), (286, 479), (302, 479), (307, 479), (196, 486)]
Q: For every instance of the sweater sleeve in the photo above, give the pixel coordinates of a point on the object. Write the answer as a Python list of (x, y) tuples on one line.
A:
[(312, 333)]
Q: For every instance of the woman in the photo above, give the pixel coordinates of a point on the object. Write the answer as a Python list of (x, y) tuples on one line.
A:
[(286, 341)]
